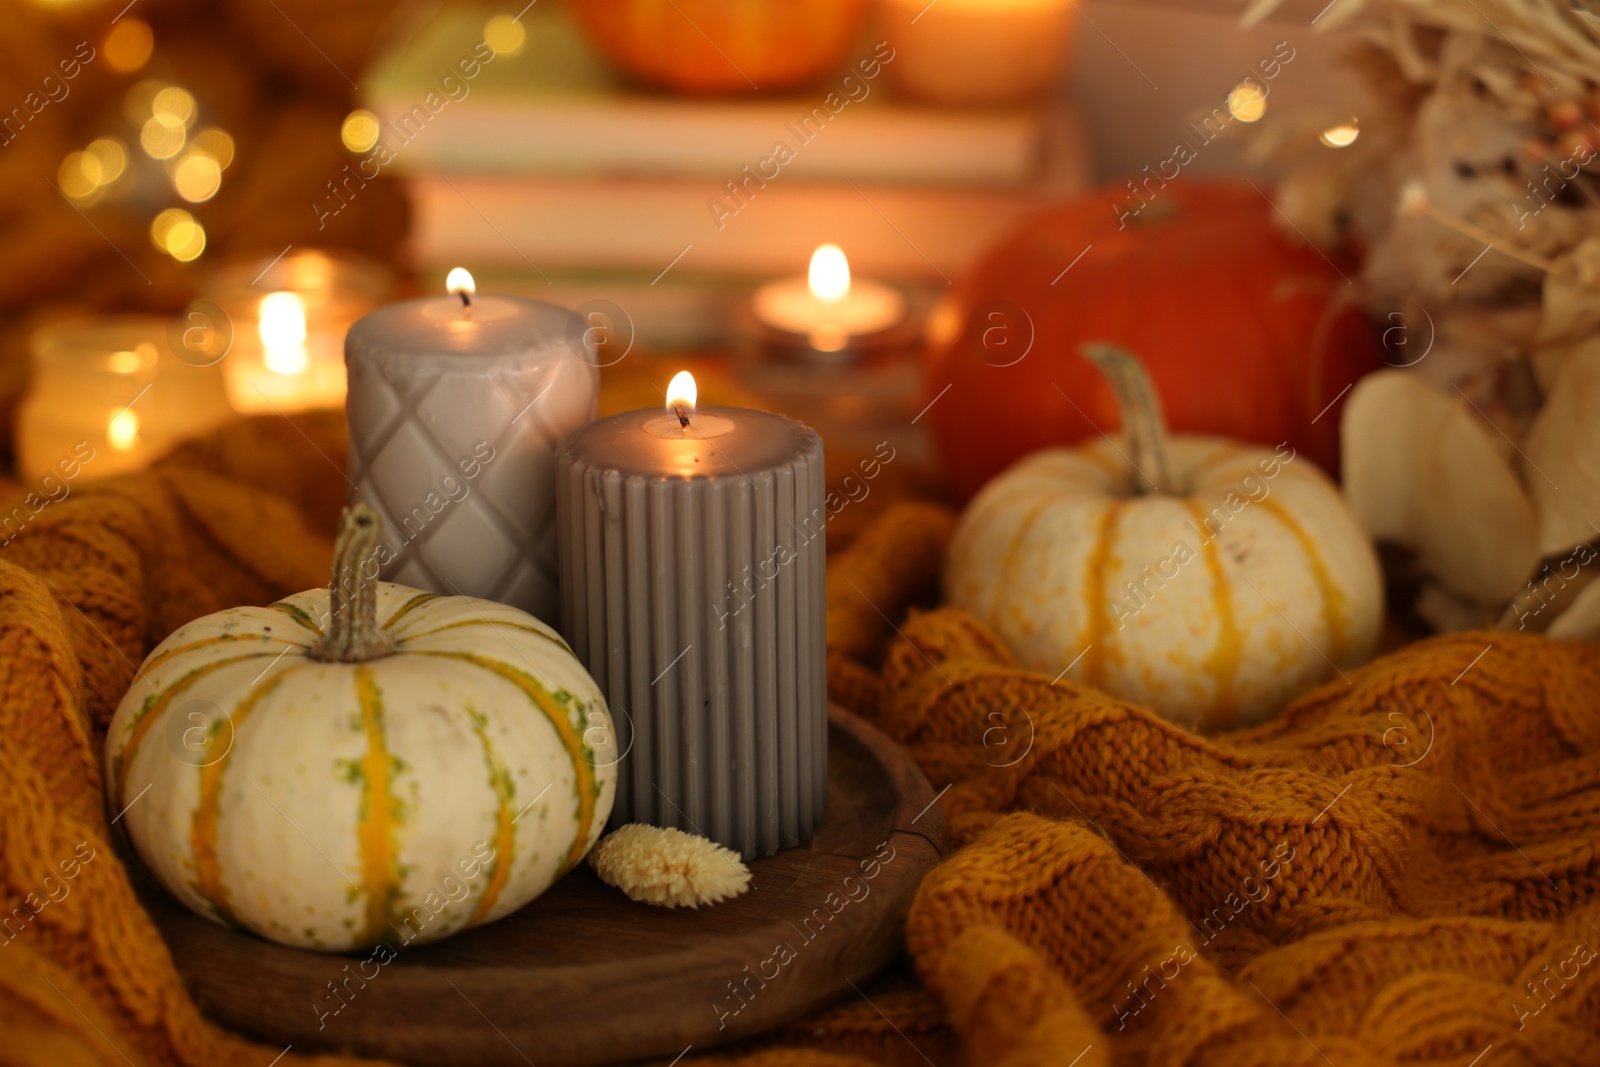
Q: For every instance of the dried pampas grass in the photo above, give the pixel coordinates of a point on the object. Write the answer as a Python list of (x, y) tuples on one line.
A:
[(668, 868)]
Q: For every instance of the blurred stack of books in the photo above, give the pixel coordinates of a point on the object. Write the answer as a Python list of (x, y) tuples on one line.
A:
[(544, 173)]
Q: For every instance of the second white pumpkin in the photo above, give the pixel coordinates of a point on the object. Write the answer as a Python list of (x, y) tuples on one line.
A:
[(1212, 600)]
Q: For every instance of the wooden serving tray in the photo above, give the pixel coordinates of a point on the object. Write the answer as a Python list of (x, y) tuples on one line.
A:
[(583, 975)]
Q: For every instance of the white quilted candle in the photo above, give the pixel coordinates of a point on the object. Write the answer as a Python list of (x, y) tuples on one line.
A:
[(455, 405)]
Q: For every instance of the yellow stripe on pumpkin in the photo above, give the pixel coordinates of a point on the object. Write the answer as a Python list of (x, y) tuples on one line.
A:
[(298, 614), (485, 621), (1332, 599), (1223, 664), (219, 639), (156, 704), (586, 785), (406, 608), (203, 825), (375, 831), (1014, 547), (1097, 605), (505, 834)]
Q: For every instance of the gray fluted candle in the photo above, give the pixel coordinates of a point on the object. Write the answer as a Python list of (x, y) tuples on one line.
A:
[(692, 556)]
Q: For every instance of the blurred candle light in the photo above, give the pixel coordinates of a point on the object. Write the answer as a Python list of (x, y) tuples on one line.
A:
[(285, 320), (1342, 135), (122, 432), (826, 307), (283, 333), (109, 395)]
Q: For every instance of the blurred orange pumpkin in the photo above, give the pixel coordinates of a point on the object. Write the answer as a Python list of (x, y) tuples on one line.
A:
[(721, 46), (1245, 333)]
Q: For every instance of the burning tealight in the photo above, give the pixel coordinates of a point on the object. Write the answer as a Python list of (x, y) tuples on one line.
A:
[(279, 328), (282, 329), (828, 308)]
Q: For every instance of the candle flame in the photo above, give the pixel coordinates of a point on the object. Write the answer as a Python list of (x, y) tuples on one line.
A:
[(829, 276), (459, 281), (681, 392), (123, 430), (283, 333)]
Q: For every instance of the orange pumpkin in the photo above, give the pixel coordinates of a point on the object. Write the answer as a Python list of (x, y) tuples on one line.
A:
[(721, 46), (1245, 333)]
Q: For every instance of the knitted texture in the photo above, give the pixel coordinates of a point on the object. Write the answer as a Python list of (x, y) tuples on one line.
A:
[(1402, 868)]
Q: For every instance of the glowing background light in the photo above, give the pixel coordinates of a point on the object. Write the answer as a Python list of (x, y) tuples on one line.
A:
[(122, 432), (178, 234), (505, 35), (360, 130), (127, 47), (1341, 135), (1247, 102)]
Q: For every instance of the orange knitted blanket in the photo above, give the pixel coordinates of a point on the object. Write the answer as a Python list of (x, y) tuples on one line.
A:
[(1399, 870)]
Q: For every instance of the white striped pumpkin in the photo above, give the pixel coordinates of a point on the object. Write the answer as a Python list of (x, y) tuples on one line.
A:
[(1211, 591), (330, 804)]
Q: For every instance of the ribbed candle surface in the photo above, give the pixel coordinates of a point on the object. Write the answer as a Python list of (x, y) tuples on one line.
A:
[(693, 591)]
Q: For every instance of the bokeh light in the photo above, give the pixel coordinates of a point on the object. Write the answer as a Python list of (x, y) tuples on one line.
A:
[(216, 143), (138, 103), (178, 234), (174, 106), (79, 175), (1247, 102), (505, 35), (197, 177), (161, 140), (127, 47), (1341, 135), (83, 175), (360, 130), (112, 156)]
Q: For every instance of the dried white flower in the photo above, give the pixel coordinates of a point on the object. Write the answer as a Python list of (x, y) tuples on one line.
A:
[(1413, 198), (669, 868)]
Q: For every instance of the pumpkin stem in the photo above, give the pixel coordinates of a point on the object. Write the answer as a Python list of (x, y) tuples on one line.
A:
[(352, 635), (1142, 420)]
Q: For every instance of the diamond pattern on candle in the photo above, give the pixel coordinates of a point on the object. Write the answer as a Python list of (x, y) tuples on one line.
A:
[(411, 472)]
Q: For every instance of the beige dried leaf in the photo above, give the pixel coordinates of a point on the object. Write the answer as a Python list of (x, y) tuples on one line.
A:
[(1421, 469), (1582, 619), (669, 868), (1571, 307), (1562, 454)]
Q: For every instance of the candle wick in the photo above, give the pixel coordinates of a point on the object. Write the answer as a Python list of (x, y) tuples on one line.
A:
[(683, 416), (466, 298)]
